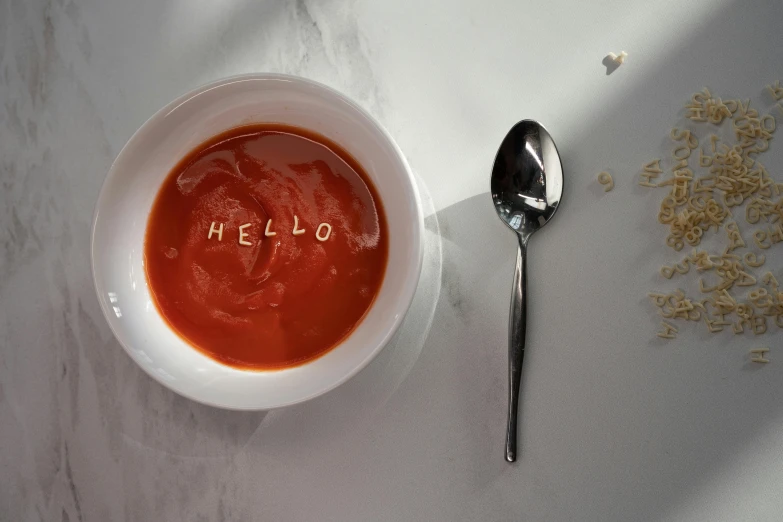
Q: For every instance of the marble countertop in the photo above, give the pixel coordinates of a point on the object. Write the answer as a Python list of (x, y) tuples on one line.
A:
[(616, 425)]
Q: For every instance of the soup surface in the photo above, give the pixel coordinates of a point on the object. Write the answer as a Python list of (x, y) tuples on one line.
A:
[(266, 246)]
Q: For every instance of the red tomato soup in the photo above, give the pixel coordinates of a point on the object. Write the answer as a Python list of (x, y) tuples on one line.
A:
[(266, 246)]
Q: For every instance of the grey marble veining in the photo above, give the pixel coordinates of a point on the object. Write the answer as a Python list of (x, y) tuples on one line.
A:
[(615, 425)]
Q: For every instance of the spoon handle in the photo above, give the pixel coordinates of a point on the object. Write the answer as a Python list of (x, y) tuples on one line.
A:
[(516, 346)]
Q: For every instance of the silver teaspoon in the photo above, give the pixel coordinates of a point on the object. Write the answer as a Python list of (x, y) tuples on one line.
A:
[(526, 185)]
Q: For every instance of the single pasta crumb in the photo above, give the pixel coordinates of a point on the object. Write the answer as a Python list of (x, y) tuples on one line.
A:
[(651, 171), (776, 90), (757, 355), (668, 331), (605, 179), (618, 58), (753, 260)]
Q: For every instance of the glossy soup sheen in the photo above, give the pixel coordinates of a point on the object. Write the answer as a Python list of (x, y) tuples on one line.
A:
[(285, 299)]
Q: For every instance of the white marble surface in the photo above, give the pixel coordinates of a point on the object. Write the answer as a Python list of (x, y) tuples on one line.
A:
[(615, 425)]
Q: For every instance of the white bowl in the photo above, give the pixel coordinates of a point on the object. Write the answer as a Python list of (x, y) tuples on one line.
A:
[(124, 205)]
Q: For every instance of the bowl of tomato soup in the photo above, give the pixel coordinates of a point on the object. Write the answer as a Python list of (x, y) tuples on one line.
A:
[(257, 242)]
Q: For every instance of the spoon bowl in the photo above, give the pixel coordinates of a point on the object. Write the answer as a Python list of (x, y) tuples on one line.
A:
[(527, 178), (526, 186)]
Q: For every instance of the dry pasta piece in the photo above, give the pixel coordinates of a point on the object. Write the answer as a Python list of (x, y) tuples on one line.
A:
[(760, 236), (752, 213), (765, 302), (675, 242), (706, 290), (717, 110), (739, 326), (693, 236), (647, 181), (681, 164), (654, 167), (731, 105), (684, 153), (713, 326), (769, 280), (651, 170), (745, 279), (725, 301), (701, 96), (756, 294), (697, 203), (776, 90), (759, 324), (745, 311), (733, 200), (770, 127), (619, 59), (686, 136), (695, 114), (683, 267), (702, 260), (658, 299), (699, 185), (605, 179), (690, 209), (668, 331), (666, 215), (704, 161), (683, 308), (775, 234), (734, 236)]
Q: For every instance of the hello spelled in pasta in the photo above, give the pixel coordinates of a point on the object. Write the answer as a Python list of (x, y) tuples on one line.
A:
[(322, 233)]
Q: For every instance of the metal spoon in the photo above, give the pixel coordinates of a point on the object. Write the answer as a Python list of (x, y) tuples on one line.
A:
[(527, 184)]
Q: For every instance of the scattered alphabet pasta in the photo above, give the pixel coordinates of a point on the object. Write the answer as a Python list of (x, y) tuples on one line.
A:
[(713, 183)]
